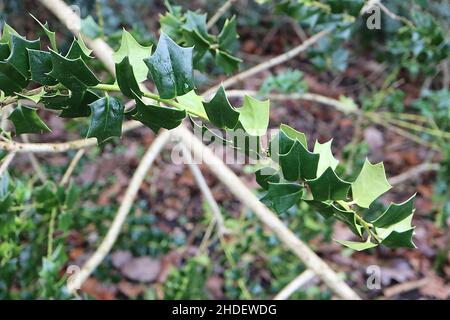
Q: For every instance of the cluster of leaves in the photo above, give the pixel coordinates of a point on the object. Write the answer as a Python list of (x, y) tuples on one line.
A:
[(28, 216), (190, 29), (288, 81), (69, 85), (302, 175)]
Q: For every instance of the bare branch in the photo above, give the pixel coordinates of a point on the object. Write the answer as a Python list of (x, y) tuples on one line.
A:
[(6, 162), (72, 166), (295, 284), (219, 13)]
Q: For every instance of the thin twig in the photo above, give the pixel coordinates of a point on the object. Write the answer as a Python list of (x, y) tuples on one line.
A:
[(270, 63), (219, 13), (125, 206), (204, 188), (414, 172), (246, 196), (6, 162), (72, 166), (34, 162), (305, 277)]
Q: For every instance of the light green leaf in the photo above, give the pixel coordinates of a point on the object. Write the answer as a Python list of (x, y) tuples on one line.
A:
[(395, 213), (136, 53), (171, 68), (220, 112), (370, 184), (347, 104), (36, 98), (326, 157), (106, 119), (194, 102), (8, 31), (292, 135), (357, 246), (26, 120), (254, 116), (299, 163), (282, 196), (126, 79), (329, 186), (157, 117)]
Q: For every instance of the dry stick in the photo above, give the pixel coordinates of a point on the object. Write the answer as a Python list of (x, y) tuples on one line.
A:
[(244, 194), (305, 277), (130, 194), (6, 162), (414, 172), (219, 13), (34, 162), (269, 63), (72, 166), (204, 188)]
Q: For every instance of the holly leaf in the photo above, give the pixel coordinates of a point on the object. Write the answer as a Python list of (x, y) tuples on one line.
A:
[(36, 98), (106, 119), (40, 66), (11, 80), (299, 163), (126, 79), (194, 102), (77, 105), (8, 31), (395, 213), (266, 175), (78, 49), (329, 186), (171, 68), (220, 112), (281, 196), (19, 54), (225, 60), (326, 157), (357, 246), (228, 34), (400, 239), (51, 35), (136, 54), (74, 74), (254, 116), (26, 120), (370, 184), (157, 117)]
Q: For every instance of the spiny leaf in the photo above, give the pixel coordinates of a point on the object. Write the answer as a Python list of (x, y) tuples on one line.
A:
[(228, 62), (370, 184), (266, 175), (228, 34), (36, 98), (220, 112), (282, 196), (349, 218), (26, 120), (78, 104), (395, 213), (106, 119), (329, 186), (193, 102), (400, 239), (78, 49), (8, 31), (326, 157), (72, 73), (40, 66), (56, 100), (299, 163), (51, 35), (157, 117), (254, 116), (171, 68), (11, 80), (19, 54), (136, 54), (357, 246), (289, 136), (126, 79)]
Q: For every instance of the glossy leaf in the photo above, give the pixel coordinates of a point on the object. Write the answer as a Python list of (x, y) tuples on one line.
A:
[(51, 35), (266, 175), (19, 54), (26, 120), (254, 116), (299, 163), (220, 112), (78, 104), (136, 54), (40, 66), (370, 184), (126, 79), (106, 119), (282, 196), (171, 68), (395, 213), (78, 49), (329, 186), (400, 239)]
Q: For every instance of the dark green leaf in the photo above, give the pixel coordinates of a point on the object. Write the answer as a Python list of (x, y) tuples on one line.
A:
[(282, 196), (50, 34), (228, 34), (157, 117), (171, 68), (299, 163), (78, 104), (26, 120), (19, 54), (266, 175), (228, 62), (395, 213), (126, 79), (400, 239), (106, 119), (40, 66), (329, 186), (78, 49), (220, 112)]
